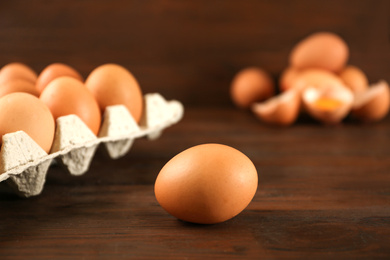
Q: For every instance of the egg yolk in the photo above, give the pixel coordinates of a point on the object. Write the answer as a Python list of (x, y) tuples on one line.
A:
[(327, 103)]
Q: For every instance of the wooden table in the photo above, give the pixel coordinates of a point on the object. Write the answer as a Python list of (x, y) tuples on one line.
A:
[(323, 193)]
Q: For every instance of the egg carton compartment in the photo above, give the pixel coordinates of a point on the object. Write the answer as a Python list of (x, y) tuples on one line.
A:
[(24, 164)]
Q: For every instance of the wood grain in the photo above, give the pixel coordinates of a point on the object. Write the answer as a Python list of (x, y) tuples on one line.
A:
[(323, 193)]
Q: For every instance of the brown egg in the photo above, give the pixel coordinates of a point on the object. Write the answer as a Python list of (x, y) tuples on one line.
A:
[(322, 50), (372, 104), (206, 184), (251, 85), (287, 78), (18, 85), (329, 105), (17, 70), (317, 78), (25, 112), (354, 78), (66, 96), (54, 71), (280, 110), (112, 84)]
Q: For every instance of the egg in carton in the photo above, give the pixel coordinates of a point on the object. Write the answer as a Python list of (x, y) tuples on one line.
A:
[(24, 164)]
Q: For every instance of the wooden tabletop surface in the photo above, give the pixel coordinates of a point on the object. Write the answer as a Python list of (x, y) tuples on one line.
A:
[(323, 193)]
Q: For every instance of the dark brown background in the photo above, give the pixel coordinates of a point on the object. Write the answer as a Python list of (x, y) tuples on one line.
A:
[(188, 50), (323, 191)]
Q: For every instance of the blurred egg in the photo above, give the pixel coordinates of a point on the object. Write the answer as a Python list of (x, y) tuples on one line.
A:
[(66, 96), (328, 105), (354, 78), (287, 78), (251, 85), (18, 85), (54, 71), (317, 78), (206, 184), (17, 70), (280, 110), (25, 112), (112, 84), (373, 103), (322, 50)]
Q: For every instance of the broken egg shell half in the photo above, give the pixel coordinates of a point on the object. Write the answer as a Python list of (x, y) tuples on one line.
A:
[(282, 109), (372, 104), (329, 105)]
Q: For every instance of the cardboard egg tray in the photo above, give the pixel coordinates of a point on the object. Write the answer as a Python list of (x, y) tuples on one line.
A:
[(24, 164)]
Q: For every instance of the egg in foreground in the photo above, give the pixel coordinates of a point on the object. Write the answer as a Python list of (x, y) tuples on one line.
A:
[(206, 184)]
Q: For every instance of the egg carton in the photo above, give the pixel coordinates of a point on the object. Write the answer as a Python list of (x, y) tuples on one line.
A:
[(24, 164)]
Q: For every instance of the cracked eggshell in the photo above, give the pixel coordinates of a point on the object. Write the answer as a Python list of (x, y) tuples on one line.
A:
[(251, 85), (280, 110), (324, 50), (329, 105), (112, 84), (372, 104), (354, 78)]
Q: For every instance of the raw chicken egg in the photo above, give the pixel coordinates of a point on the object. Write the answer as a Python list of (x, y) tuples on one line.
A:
[(18, 85), (372, 104), (323, 50), (54, 71), (329, 105), (317, 78), (251, 85), (280, 110), (354, 78), (66, 96), (287, 78), (17, 70), (206, 184), (25, 112), (112, 84)]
